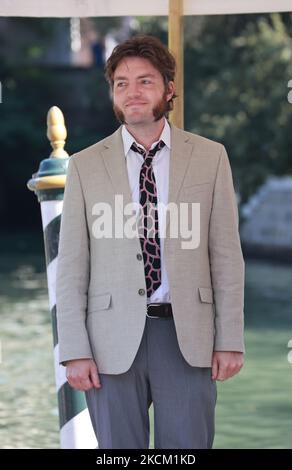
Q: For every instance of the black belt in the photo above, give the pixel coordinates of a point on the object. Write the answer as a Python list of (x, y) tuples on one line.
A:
[(159, 310)]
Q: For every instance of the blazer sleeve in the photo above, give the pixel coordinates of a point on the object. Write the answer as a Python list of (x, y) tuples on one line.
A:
[(73, 272), (226, 262)]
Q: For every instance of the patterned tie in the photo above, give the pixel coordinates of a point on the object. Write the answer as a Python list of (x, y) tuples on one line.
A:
[(148, 219)]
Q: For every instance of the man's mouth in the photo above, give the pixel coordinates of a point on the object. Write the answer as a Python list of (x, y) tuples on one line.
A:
[(134, 104)]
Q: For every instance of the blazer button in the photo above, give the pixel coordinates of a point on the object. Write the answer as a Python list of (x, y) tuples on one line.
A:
[(139, 256), (141, 291)]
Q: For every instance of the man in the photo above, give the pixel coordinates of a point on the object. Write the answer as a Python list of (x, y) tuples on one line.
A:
[(149, 318)]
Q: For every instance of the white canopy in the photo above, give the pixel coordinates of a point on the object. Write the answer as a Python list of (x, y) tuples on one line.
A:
[(87, 8)]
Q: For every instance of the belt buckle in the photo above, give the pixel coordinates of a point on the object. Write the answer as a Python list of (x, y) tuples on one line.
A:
[(152, 305)]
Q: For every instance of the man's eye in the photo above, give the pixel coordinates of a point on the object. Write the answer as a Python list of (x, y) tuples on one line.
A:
[(146, 81), (120, 84)]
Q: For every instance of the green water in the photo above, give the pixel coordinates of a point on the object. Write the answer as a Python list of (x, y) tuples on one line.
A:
[(254, 409)]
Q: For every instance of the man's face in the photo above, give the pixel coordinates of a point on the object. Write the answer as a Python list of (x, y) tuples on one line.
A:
[(139, 93)]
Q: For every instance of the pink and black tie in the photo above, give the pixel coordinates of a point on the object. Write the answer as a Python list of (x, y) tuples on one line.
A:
[(148, 227)]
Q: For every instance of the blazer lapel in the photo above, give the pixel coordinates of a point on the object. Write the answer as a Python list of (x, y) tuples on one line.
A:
[(181, 150), (116, 165)]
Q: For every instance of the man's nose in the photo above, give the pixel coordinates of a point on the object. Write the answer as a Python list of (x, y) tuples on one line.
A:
[(134, 89)]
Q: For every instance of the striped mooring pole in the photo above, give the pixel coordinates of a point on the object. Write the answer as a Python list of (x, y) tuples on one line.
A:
[(48, 183)]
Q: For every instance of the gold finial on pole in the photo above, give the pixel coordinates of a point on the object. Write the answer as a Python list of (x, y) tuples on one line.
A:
[(56, 132), (51, 174)]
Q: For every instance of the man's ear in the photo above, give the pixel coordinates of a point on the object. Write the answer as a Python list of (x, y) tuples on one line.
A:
[(170, 90)]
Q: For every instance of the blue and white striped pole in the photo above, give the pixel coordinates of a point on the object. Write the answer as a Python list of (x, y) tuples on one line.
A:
[(48, 183)]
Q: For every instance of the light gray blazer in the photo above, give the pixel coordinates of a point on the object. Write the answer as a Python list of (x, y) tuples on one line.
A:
[(101, 311)]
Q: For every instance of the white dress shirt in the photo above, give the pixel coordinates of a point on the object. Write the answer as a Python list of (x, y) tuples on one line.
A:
[(161, 172)]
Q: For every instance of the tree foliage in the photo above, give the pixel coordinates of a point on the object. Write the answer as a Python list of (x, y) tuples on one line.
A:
[(237, 69)]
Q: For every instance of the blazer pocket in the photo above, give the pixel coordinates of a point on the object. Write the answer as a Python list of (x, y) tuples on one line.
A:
[(99, 302), (206, 294)]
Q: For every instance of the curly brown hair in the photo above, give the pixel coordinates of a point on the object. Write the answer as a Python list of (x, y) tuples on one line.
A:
[(147, 47)]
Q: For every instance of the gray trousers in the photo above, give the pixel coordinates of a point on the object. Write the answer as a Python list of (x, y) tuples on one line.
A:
[(183, 397)]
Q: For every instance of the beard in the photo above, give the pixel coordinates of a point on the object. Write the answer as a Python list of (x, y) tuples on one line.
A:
[(159, 110)]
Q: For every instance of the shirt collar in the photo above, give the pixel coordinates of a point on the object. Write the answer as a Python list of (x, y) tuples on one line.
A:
[(128, 139)]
